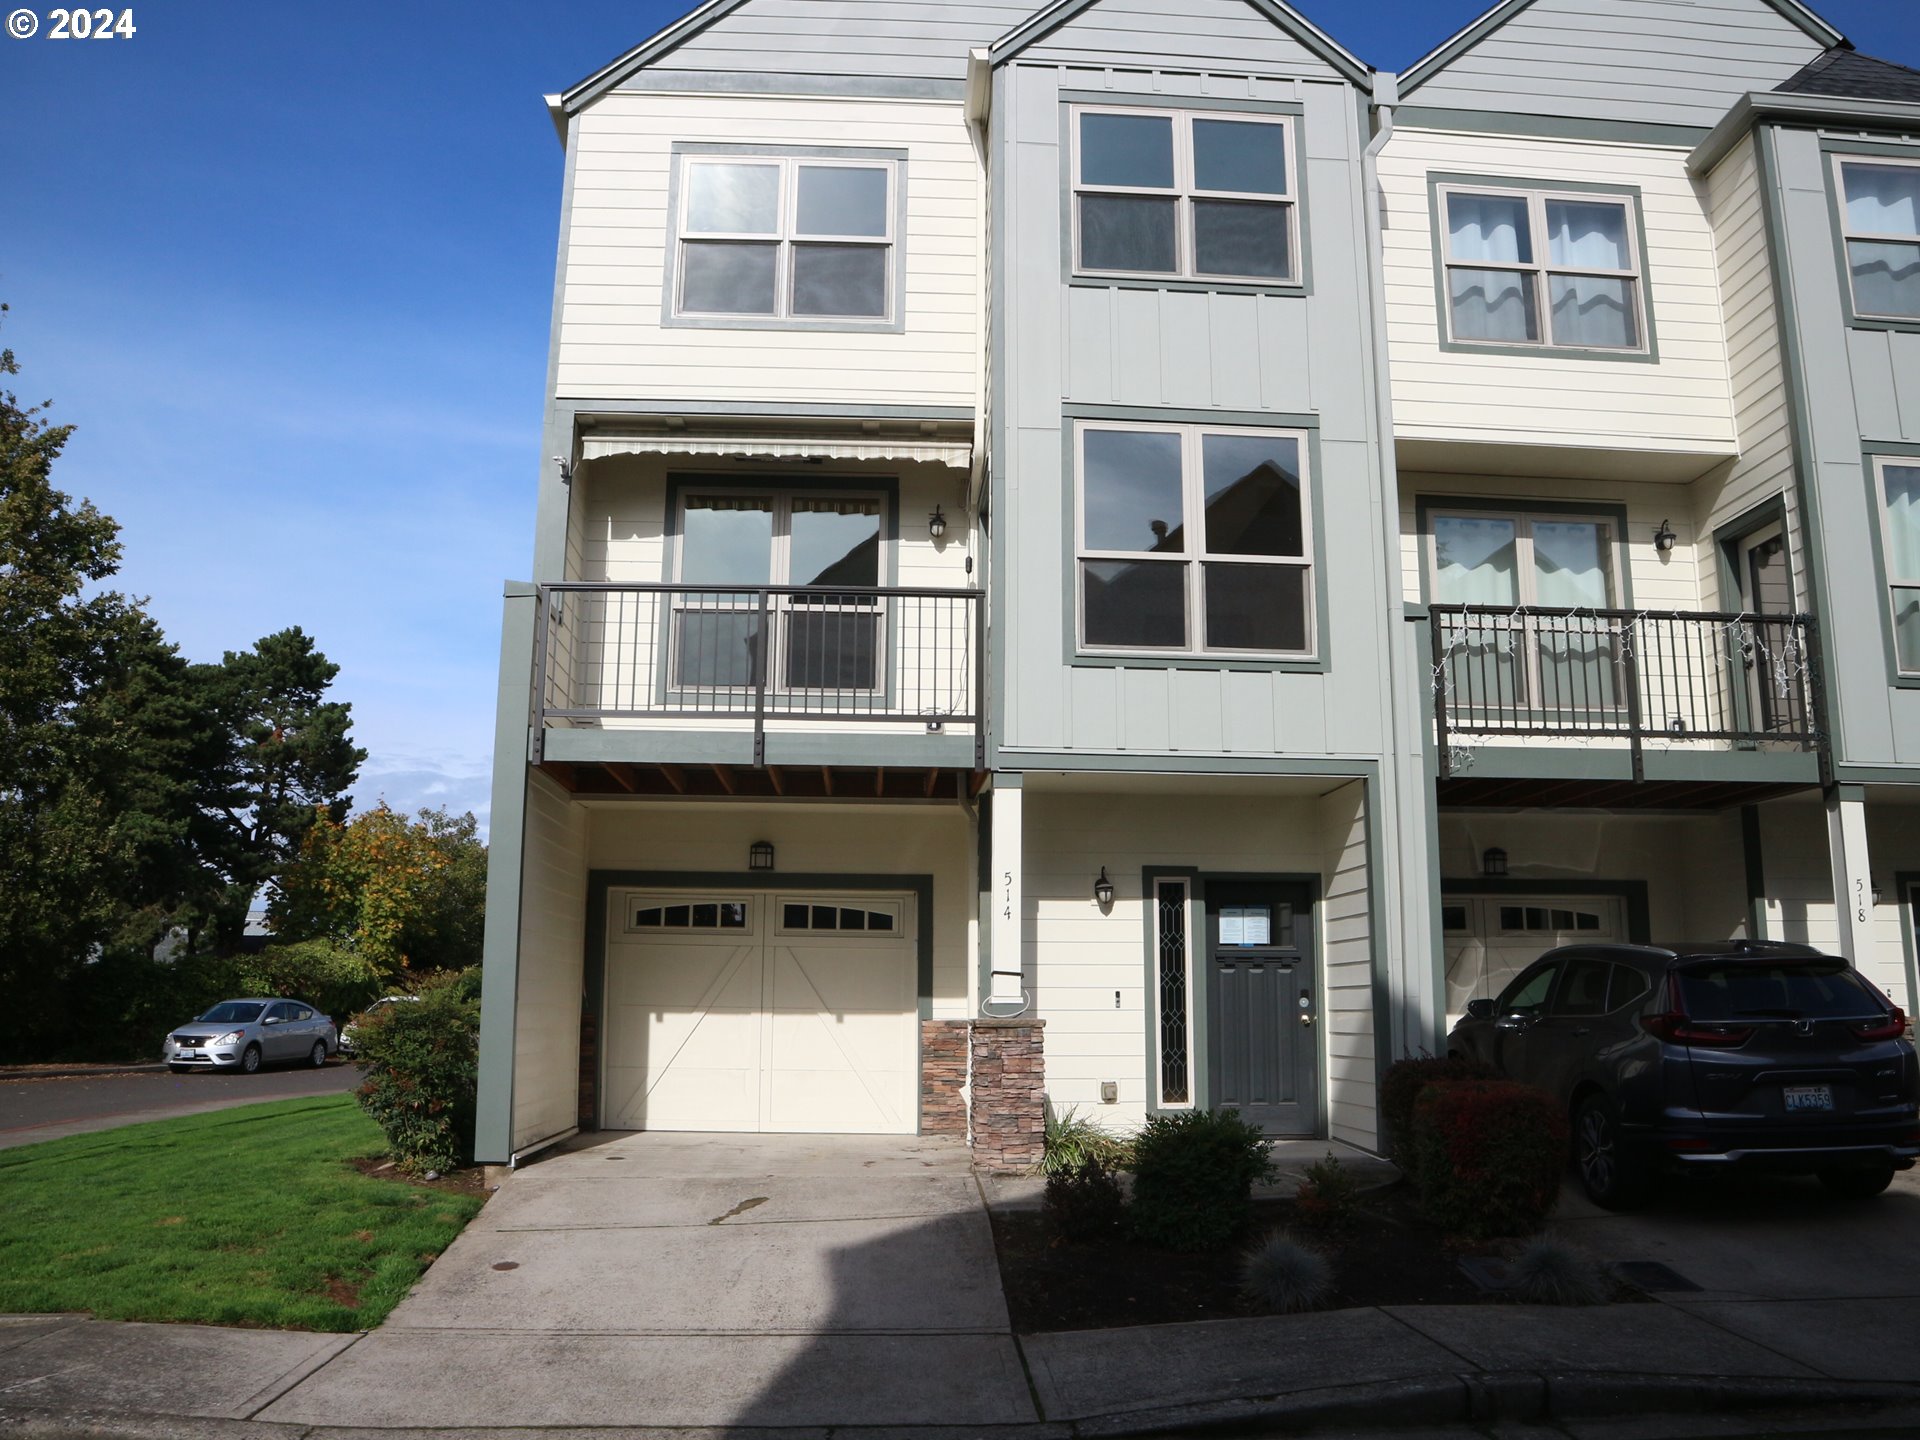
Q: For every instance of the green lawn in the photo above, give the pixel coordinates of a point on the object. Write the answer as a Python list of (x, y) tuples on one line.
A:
[(241, 1217)]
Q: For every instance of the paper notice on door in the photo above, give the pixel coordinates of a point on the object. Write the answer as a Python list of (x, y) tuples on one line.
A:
[(1246, 925)]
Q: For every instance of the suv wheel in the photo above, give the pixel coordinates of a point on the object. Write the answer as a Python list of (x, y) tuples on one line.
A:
[(1613, 1177), (1857, 1182)]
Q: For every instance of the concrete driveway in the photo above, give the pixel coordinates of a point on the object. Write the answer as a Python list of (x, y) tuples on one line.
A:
[(700, 1280)]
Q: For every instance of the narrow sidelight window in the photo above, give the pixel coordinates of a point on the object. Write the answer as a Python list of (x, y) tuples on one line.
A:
[(1880, 215), (1542, 268), (1170, 928), (1185, 195)]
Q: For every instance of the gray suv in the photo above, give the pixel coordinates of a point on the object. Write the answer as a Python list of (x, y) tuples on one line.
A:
[(245, 1034), (1706, 1057)]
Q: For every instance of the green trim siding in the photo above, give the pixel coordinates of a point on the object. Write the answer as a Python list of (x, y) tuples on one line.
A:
[(1634, 892), (1726, 549), (1756, 872), (1443, 311), (1864, 148), (1903, 883), (1546, 127), (763, 409), (1870, 452), (554, 497), (1012, 761)]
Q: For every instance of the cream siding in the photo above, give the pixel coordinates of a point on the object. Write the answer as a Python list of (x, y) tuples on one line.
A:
[(1680, 403), (1346, 949), (553, 909), (612, 343)]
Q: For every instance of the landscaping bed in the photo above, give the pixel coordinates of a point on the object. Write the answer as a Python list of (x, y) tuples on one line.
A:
[(1389, 1256), (255, 1216)]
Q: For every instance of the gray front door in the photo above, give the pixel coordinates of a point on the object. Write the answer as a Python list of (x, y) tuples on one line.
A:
[(1263, 1011)]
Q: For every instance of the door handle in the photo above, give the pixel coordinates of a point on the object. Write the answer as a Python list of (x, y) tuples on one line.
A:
[(1583, 1030), (1306, 1019)]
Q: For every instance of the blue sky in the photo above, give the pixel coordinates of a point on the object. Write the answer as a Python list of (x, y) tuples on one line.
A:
[(289, 268)]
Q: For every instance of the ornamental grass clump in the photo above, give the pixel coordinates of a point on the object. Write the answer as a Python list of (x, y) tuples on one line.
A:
[(422, 1065), (1550, 1273), (1284, 1276), (1071, 1142), (1488, 1156), (1193, 1178)]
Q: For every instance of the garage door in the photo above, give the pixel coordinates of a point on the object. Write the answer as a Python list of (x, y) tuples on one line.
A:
[(1492, 938), (762, 1011)]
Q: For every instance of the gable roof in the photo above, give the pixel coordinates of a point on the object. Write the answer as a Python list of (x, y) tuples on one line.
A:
[(1050, 19), (1463, 40), (1853, 75), (647, 51)]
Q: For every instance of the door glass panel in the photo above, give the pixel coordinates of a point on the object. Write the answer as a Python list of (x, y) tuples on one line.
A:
[(1570, 571), (1593, 310), (1135, 151), (841, 200), (1587, 235), (793, 917), (1130, 493), (1134, 603), (1256, 607), (727, 540), (1246, 925), (835, 542), (1239, 155), (1489, 227), (1252, 496), (1528, 996), (825, 917), (1128, 232), (1493, 305), (706, 917), (1241, 237), (733, 199), (1476, 562), (1584, 991), (733, 915)]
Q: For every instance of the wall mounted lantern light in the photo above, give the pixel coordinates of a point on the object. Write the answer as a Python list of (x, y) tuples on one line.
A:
[(937, 523), (1103, 890), (760, 855), (1664, 537), (1493, 862)]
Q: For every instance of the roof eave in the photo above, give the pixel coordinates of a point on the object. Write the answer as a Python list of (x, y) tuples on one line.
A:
[(1759, 107), (579, 96)]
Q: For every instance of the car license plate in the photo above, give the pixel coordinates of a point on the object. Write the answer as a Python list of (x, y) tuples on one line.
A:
[(1809, 1097)]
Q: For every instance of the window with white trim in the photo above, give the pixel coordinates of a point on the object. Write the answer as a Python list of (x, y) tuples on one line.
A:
[(1198, 195), (870, 917), (1898, 484), (1880, 218), (785, 238), (1556, 269), (656, 913), (1194, 540)]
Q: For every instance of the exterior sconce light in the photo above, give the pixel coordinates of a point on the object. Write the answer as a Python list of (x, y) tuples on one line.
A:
[(1493, 863), (937, 523), (1664, 537), (566, 469), (1103, 890), (760, 855)]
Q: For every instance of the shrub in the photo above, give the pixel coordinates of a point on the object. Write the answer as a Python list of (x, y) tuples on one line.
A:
[(1285, 1276), (1327, 1196), (422, 1065), (1549, 1273), (1488, 1155), (1400, 1088), (1071, 1142), (1193, 1176), (1083, 1202)]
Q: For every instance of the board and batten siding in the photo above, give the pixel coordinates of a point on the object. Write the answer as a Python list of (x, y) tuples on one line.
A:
[(553, 912), (1663, 62), (612, 343), (1190, 34), (1762, 409), (1247, 356), (1678, 403), (915, 39)]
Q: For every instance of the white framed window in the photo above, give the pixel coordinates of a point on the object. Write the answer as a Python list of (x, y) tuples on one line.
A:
[(825, 637), (1557, 269), (1880, 222), (1185, 194), (1897, 482), (649, 913), (1195, 540), (807, 914), (785, 237)]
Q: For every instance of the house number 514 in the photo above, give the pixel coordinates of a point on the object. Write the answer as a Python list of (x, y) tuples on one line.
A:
[(1006, 894)]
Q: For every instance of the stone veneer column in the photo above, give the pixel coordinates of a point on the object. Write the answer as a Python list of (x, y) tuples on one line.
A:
[(943, 1077), (1009, 1094)]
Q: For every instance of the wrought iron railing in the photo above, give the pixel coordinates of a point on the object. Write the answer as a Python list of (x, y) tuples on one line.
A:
[(1677, 677), (840, 655)]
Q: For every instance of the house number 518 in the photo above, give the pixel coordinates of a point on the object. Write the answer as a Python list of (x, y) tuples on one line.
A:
[(1860, 900)]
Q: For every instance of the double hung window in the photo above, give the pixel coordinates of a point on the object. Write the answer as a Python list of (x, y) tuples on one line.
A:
[(1880, 213), (1542, 268), (1515, 560), (786, 238), (820, 637), (1185, 195), (1899, 486), (1194, 540)]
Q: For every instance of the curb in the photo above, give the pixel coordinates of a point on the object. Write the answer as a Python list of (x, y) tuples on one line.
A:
[(82, 1072)]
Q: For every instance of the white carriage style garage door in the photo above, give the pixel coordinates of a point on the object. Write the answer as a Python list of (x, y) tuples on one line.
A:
[(1492, 938), (762, 1011)]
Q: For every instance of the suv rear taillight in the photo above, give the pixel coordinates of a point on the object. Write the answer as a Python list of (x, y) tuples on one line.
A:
[(1676, 1027), (1891, 1028)]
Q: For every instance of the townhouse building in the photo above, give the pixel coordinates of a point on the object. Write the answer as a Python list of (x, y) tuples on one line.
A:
[(1115, 553)]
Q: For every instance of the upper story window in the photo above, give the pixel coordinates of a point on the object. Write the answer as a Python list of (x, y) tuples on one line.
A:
[(1185, 195), (786, 239), (1546, 268), (1880, 215), (1511, 558), (1900, 498), (1194, 540)]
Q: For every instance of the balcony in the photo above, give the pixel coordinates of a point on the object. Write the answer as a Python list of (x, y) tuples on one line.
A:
[(811, 692), (1537, 706)]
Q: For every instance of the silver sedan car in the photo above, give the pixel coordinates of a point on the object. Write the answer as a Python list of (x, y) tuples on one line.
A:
[(243, 1035)]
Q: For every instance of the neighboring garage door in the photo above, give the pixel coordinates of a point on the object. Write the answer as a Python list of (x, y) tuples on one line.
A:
[(762, 1011), (1492, 938)]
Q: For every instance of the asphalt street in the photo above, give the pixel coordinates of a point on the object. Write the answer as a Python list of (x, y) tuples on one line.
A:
[(34, 1110)]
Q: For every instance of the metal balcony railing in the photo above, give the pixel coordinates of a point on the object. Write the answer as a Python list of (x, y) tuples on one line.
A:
[(840, 656), (1681, 678)]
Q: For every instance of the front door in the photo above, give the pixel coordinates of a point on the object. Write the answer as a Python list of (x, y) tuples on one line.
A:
[(1766, 649), (1263, 1005)]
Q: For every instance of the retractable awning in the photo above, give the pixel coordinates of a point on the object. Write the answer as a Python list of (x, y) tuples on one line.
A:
[(915, 449)]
